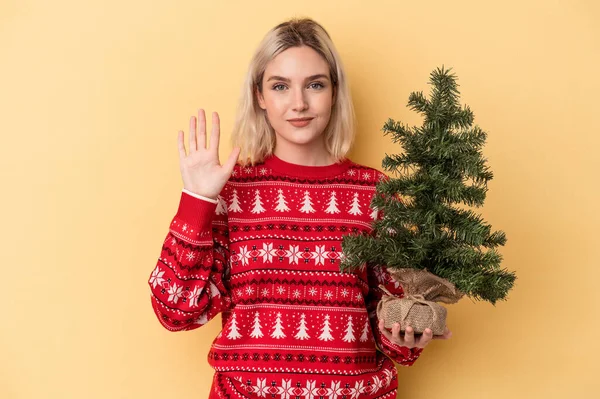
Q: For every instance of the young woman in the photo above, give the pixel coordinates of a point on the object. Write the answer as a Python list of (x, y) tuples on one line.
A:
[(259, 240)]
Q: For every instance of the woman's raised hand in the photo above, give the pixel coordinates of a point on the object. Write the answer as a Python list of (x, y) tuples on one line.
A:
[(201, 170)]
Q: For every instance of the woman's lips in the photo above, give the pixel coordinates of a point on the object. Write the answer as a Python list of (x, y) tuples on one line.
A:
[(300, 123)]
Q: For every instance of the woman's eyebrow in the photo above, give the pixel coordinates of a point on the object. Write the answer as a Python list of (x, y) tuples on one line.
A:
[(275, 77)]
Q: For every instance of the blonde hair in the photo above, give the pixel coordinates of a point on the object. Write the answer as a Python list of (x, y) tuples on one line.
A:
[(252, 131)]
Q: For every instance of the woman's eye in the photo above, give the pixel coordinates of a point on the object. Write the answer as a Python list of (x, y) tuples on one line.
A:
[(317, 84)]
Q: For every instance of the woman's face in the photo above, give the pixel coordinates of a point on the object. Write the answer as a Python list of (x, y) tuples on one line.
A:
[(297, 84)]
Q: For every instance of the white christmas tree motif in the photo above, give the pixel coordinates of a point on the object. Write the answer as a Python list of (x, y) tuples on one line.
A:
[(234, 332), (302, 334), (235, 202), (257, 332), (365, 332), (349, 337), (258, 208), (307, 204), (281, 202), (374, 213), (221, 206), (326, 330), (355, 208), (332, 208), (278, 330), (214, 290)]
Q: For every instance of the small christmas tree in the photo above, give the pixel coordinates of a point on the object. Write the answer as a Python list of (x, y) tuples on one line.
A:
[(278, 329), (419, 228)]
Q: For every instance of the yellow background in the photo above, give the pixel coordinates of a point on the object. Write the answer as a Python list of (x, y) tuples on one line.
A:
[(92, 95)]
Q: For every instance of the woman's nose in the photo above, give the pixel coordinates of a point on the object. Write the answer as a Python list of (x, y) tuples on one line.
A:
[(299, 100)]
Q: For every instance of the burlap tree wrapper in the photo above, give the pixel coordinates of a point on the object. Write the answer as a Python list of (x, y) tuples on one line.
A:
[(418, 307)]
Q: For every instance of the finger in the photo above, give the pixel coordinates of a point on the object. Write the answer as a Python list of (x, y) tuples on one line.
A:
[(192, 139), (425, 338), (385, 332), (409, 337), (396, 333), (230, 164), (215, 133), (180, 145), (201, 129)]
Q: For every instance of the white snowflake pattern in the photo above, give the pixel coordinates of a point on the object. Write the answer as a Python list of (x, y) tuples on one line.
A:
[(194, 295), (280, 290), (157, 277), (263, 171), (296, 293), (320, 254), (312, 291), (244, 255), (248, 170), (190, 256), (287, 389), (267, 252), (239, 292), (175, 293), (366, 176), (345, 292), (234, 172), (264, 292), (185, 227), (294, 253), (352, 172), (328, 295), (358, 296), (249, 290)]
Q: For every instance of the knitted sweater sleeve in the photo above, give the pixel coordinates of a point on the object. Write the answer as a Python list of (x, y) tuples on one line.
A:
[(402, 355), (189, 285)]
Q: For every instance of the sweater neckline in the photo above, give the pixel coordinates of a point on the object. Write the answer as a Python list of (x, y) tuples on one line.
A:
[(298, 170)]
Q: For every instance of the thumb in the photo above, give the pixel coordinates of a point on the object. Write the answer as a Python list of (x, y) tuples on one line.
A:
[(230, 164)]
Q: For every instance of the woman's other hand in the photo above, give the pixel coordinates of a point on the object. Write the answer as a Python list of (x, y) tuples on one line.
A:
[(409, 339)]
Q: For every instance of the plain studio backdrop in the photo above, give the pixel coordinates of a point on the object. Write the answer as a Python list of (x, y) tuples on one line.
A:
[(92, 95)]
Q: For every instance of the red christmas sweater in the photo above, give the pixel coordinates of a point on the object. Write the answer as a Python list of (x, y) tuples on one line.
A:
[(265, 254)]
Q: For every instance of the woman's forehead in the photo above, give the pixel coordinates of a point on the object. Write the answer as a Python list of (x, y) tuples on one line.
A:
[(297, 63)]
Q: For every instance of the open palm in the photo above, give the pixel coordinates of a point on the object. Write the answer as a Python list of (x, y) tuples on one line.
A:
[(201, 170)]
